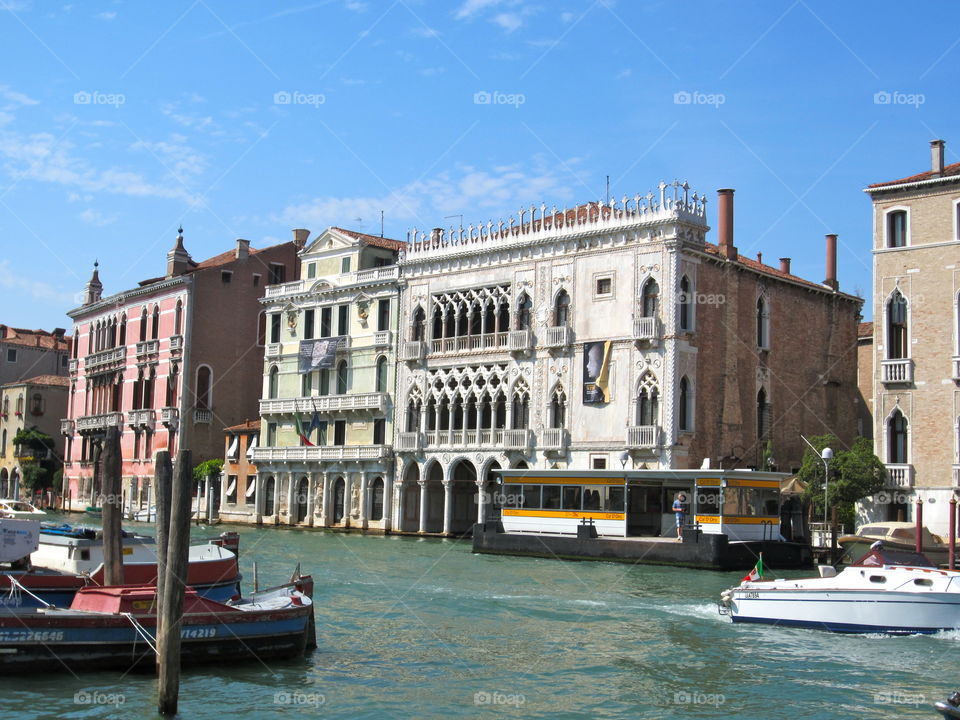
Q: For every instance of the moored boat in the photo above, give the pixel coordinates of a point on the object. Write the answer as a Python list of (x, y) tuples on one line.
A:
[(886, 591), (20, 509), (894, 536), (115, 628)]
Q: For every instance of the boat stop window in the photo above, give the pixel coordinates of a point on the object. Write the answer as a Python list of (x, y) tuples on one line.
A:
[(748, 501)]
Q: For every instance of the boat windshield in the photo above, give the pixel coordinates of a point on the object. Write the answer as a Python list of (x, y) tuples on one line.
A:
[(883, 556)]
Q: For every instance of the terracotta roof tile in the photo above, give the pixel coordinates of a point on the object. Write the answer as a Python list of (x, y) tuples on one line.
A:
[(33, 338), (865, 329), (52, 380), (948, 171), (375, 240), (244, 426), (767, 269)]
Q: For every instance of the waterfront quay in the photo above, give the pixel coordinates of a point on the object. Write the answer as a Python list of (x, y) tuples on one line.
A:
[(423, 628)]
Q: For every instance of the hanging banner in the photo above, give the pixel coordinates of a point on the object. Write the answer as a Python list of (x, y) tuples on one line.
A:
[(596, 372), (317, 354)]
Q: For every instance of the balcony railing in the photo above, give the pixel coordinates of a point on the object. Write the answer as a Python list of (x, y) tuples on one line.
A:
[(141, 418), (147, 347), (559, 337), (169, 416), (176, 343), (554, 439), (383, 338), (956, 476), (409, 441), (202, 416), (646, 328), (519, 340), (956, 368), (897, 371), (899, 475), (643, 437), (66, 427), (105, 357), (390, 272), (93, 423), (413, 350), (344, 344), (483, 438), (273, 350), (516, 439), (337, 453), (325, 403), (72, 366), (469, 343)]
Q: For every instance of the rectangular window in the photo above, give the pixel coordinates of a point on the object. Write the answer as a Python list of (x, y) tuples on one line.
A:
[(275, 321), (308, 323), (250, 483), (345, 265), (598, 462), (226, 276), (307, 385), (271, 434), (615, 499), (231, 488), (339, 432), (278, 273), (322, 433), (256, 280), (510, 496), (312, 270), (897, 229), (11, 355), (383, 314), (136, 444), (551, 497), (325, 315), (571, 497), (603, 286), (343, 320), (64, 361), (531, 497), (323, 383), (380, 431)]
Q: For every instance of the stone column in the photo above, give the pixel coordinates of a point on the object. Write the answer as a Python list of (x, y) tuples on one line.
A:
[(447, 506), (479, 407), (325, 510), (208, 496), (387, 502), (310, 497), (362, 519), (277, 482), (347, 499), (258, 499), (423, 504), (291, 497), (481, 502)]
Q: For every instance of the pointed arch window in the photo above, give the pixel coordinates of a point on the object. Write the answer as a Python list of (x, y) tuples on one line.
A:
[(558, 408), (178, 318), (763, 324), (648, 401), (650, 298), (419, 327), (520, 409), (414, 405), (381, 378), (561, 309), (342, 377), (123, 330), (685, 409), (524, 312), (897, 443), (273, 389), (155, 330), (897, 335), (686, 304), (763, 415), (204, 388)]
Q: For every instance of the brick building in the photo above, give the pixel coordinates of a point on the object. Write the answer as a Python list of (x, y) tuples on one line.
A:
[(29, 353), (916, 340), (170, 362)]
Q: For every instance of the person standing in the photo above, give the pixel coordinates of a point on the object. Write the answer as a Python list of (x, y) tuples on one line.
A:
[(679, 512)]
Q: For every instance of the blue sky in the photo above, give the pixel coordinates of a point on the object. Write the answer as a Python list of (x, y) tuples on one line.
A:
[(121, 120)]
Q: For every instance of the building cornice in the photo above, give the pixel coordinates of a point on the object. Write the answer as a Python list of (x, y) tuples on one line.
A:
[(114, 300), (913, 184)]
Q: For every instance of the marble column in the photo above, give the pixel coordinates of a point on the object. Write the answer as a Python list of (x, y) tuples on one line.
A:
[(447, 506), (311, 480), (362, 518), (481, 502), (423, 504), (291, 498), (277, 482), (347, 498), (387, 503), (325, 510)]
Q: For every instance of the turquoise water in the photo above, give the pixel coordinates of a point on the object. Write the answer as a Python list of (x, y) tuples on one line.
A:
[(422, 628)]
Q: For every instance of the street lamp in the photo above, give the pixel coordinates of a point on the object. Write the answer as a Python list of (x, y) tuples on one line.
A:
[(826, 455)]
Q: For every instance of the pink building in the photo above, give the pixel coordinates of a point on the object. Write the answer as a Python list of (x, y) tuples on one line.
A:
[(170, 362)]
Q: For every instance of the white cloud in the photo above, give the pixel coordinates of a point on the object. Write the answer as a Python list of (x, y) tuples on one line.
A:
[(471, 7), (16, 98), (18, 283), (566, 17), (356, 6), (432, 71), (96, 218), (424, 32), (625, 73), (176, 156), (107, 15), (508, 21)]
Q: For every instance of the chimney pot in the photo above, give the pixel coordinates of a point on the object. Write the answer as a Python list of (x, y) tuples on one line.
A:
[(243, 249), (831, 280), (300, 236), (760, 257), (436, 235), (936, 156), (785, 265), (725, 223)]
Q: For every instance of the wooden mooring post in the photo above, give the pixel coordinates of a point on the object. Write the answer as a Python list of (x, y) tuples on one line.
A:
[(162, 482), (174, 584), (111, 467)]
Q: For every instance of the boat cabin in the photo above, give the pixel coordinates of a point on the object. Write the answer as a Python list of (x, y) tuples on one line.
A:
[(743, 504)]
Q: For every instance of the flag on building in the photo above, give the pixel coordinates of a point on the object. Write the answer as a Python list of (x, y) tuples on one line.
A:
[(314, 423), (304, 437), (756, 573)]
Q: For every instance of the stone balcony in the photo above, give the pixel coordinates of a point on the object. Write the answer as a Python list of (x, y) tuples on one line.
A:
[(142, 418), (375, 402), (897, 372), (646, 329), (409, 441), (643, 437), (520, 341), (899, 475), (169, 416), (72, 366), (558, 337), (501, 439), (554, 439), (325, 453), (383, 338), (105, 358), (412, 350), (146, 348), (66, 426), (470, 343), (176, 343), (99, 423), (359, 277)]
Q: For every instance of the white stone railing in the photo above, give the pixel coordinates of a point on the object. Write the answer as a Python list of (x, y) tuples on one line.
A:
[(202, 416), (273, 350), (517, 439), (105, 357), (325, 403), (646, 328), (72, 366), (409, 441), (469, 343), (643, 437), (148, 347), (334, 453), (519, 340), (559, 336), (298, 287), (897, 371), (169, 415), (141, 418), (176, 343), (383, 338), (99, 422), (66, 426), (956, 367), (554, 439), (413, 350), (956, 476), (673, 202), (899, 475)]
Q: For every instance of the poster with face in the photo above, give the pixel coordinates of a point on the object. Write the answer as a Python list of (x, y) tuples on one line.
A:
[(316, 354), (596, 361)]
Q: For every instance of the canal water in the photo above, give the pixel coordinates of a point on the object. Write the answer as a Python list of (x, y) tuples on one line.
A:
[(422, 628)]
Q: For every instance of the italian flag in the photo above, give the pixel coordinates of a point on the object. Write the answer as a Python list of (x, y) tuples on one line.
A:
[(304, 438), (756, 573)]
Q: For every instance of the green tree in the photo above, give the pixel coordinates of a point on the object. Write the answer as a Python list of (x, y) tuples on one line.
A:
[(207, 468), (38, 458), (854, 474)]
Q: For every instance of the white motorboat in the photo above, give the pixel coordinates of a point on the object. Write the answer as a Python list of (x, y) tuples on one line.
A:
[(20, 509), (885, 591)]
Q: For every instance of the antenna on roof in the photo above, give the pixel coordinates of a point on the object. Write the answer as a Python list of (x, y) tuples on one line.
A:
[(381, 223), (608, 189), (447, 217)]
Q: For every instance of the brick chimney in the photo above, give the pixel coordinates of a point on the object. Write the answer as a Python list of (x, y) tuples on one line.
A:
[(785, 265), (436, 235), (936, 156), (831, 280), (725, 223), (243, 249), (300, 236)]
